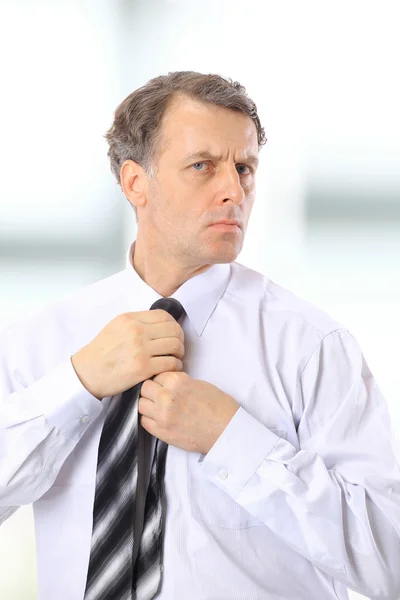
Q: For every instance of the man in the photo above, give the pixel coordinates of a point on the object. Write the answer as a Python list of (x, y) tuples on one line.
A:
[(280, 479)]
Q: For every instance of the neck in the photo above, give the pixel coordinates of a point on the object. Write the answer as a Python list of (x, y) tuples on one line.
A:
[(160, 269)]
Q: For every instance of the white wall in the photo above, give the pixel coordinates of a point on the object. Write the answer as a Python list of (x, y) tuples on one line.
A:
[(60, 83)]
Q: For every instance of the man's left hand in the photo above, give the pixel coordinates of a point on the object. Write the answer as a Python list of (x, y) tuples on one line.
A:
[(185, 412)]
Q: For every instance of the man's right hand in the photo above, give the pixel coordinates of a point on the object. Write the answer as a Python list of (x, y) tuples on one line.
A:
[(131, 348)]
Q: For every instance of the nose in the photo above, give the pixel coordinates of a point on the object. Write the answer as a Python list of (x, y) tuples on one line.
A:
[(230, 187)]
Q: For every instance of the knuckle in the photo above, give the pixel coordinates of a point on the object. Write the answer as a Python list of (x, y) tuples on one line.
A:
[(137, 328), (123, 317), (174, 379), (124, 321)]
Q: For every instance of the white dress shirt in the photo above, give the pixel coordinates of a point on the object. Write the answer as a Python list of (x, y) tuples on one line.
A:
[(298, 499)]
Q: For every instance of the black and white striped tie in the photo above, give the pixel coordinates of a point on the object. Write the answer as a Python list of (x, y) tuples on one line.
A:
[(113, 572)]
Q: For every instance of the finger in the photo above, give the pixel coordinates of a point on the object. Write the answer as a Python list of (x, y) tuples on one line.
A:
[(161, 364), (149, 389), (166, 329), (172, 346), (146, 408), (148, 424), (157, 315), (163, 379)]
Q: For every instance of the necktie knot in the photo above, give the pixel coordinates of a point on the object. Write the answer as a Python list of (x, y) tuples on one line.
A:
[(170, 305)]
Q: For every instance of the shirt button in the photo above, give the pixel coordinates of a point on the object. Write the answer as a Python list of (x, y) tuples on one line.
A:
[(85, 419), (222, 473)]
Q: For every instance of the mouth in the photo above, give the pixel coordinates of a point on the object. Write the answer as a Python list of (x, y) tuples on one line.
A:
[(232, 226), (226, 227)]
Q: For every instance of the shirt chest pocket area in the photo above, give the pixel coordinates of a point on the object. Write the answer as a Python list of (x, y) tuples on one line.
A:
[(213, 506)]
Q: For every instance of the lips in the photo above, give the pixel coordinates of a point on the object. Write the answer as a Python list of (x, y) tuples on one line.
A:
[(228, 223)]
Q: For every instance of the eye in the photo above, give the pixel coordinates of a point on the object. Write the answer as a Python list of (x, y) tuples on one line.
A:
[(197, 166), (243, 169)]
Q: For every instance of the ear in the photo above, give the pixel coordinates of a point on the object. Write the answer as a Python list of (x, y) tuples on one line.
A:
[(133, 182)]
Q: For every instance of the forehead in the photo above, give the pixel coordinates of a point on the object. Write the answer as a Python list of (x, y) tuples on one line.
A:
[(189, 124)]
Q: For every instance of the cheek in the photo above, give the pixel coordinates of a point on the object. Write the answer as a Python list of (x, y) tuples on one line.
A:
[(250, 196), (248, 207)]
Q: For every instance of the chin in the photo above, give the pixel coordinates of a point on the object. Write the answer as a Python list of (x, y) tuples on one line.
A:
[(226, 253)]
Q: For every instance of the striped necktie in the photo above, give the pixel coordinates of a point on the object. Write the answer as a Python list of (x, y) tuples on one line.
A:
[(113, 572)]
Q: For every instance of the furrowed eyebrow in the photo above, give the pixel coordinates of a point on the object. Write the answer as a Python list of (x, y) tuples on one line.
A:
[(202, 154), (253, 160)]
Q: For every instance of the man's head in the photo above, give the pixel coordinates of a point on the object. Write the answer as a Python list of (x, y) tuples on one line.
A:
[(184, 148)]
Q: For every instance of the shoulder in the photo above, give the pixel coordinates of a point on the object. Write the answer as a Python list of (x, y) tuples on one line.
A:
[(280, 301), (283, 312)]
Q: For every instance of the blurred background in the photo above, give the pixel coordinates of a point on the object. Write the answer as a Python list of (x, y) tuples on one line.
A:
[(326, 222)]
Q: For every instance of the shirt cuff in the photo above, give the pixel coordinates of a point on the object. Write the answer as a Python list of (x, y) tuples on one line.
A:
[(238, 452), (65, 402)]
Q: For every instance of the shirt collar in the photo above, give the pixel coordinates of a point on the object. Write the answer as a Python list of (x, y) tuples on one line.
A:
[(199, 295)]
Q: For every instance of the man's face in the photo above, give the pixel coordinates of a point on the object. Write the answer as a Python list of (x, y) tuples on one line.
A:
[(205, 172)]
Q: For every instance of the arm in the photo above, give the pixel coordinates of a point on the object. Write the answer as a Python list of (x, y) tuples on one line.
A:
[(336, 501), (40, 425), (48, 402)]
